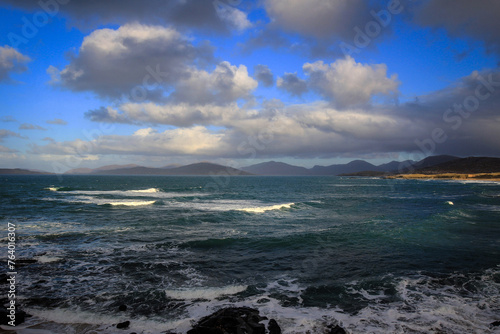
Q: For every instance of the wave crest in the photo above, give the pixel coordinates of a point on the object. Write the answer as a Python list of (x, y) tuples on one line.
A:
[(262, 209)]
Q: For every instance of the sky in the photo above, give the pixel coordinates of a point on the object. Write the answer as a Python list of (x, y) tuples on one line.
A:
[(239, 82)]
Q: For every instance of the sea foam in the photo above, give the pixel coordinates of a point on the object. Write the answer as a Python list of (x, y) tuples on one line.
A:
[(262, 209), (205, 293)]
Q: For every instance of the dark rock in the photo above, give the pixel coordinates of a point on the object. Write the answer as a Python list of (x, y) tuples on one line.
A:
[(273, 327), (337, 330), (123, 325), (231, 321), (495, 323), (122, 308)]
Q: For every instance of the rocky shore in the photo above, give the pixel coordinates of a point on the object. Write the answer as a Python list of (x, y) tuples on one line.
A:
[(231, 320)]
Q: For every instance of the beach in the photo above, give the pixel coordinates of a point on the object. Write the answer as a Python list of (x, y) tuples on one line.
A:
[(448, 176)]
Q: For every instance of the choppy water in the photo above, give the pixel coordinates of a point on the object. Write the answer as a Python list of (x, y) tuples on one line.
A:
[(375, 256)]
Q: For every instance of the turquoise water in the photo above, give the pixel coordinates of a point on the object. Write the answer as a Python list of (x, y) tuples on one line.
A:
[(375, 256)]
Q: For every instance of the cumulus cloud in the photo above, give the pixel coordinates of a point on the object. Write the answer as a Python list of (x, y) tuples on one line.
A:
[(183, 141), (291, 83), (319, 18), (11, 61), (226, 83), (151, 63), (464, 18), (234, 17), (130, 60), (464, 116), (198, 14), (27, 126), (176, 114), (348, 83), (264, 75)]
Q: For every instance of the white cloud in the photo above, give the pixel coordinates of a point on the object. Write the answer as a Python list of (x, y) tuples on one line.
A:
[(151, 63), (145, 132), (183, 141), (11, 60), (234, 17), (349, 83), (130, 60), (226, 83), (176, 114), (319, 129)]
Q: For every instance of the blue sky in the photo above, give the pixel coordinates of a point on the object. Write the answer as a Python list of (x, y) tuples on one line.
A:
[(86, 84)]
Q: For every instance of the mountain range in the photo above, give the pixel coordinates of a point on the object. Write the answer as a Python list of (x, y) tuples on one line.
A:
[(429, 165)]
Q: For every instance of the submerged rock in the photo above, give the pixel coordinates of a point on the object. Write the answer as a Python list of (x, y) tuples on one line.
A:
[(273, 327), (232, 320), (123, 325), (337, 330)]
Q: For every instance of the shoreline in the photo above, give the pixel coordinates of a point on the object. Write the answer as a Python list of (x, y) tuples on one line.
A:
[(448, 176)]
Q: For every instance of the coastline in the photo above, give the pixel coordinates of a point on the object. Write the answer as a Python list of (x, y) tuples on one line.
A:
[(448, 176)]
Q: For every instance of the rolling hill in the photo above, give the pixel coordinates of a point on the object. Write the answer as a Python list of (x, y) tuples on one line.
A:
[(430, 165)]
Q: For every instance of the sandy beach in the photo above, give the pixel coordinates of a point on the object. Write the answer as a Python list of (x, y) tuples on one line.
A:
[(449, 176)]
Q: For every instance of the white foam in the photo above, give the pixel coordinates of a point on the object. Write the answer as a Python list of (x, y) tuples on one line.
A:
[(148, 191), (449, 203), (422, 307), (131, 203), (52, 188), (228, 205), (262, 209), (78, 321), (66, 316), (205, 293), (47, 259)]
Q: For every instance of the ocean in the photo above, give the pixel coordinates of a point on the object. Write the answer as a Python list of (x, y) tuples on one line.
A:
[(371, 255)]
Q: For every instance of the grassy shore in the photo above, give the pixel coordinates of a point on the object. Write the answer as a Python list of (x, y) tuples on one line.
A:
[(449, 176)]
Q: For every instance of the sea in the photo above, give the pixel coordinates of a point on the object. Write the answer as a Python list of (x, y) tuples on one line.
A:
[(370, 255)]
